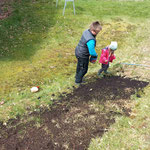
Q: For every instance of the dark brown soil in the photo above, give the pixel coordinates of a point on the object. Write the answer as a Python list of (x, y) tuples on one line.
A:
[(5, 8), (73, 120)]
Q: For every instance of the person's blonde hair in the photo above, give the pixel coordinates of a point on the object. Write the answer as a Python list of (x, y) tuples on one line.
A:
[(95, 26)]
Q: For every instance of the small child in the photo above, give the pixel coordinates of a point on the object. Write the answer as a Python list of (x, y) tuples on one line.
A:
[(107, 56)]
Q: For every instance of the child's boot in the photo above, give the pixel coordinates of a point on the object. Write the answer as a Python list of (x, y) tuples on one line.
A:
[(99, 75), (99, 72), (107, 73)]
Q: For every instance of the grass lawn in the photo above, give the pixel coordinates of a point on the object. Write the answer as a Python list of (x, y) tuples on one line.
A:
[(37, 49)]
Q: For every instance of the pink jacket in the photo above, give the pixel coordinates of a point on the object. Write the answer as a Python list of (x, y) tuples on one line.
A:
[(105, 56)]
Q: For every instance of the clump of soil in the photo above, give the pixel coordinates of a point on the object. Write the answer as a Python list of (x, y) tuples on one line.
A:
[(72, 121), (5, 8)]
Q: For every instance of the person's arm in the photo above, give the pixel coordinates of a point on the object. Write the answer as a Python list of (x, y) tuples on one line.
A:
[(91, 47), (112, 57)]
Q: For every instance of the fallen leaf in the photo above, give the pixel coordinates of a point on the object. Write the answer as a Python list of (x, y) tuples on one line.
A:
[(2, 102)]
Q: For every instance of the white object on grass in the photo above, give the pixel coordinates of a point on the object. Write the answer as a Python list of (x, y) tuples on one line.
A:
[(34, 89)]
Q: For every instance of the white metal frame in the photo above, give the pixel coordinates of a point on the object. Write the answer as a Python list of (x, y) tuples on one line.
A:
[(66, 4), (56, 3)]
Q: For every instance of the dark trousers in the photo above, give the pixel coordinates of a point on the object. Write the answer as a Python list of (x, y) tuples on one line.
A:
[(103, 68), (82, 68)]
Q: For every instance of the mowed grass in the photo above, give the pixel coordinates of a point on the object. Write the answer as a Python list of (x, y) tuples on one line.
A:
[(37, 49)]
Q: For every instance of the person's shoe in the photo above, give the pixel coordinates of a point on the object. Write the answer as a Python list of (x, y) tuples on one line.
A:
[(77, 84), (100, 76), (108, 73), (98, 72), (83, 81)]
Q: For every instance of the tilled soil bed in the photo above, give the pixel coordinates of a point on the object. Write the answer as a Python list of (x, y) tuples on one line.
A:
[(70, 124)]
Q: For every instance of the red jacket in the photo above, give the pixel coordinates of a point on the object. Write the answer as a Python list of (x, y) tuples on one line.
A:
[(105, 56)]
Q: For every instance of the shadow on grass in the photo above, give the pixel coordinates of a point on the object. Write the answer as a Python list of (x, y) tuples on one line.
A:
[(22, 33), (73, 120)]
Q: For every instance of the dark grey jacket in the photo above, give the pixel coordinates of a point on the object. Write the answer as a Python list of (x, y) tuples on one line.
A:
[(82, 49)]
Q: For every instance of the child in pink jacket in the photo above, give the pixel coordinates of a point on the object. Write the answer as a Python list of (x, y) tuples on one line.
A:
[(107, 56)]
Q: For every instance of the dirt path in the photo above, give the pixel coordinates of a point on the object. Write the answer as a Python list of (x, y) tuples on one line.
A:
[(75, 119)]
